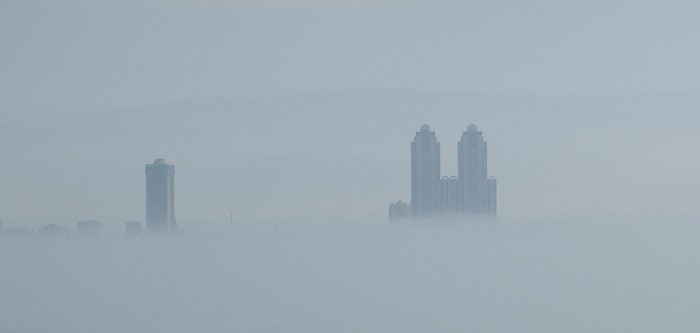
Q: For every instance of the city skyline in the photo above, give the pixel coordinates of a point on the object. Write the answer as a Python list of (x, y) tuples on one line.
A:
[(294, 124), (159, 203), (295, 110), (472, 191)]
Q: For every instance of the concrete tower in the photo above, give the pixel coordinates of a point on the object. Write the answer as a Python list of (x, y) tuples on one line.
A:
[(425, 173), (477, 191), (160, 197)]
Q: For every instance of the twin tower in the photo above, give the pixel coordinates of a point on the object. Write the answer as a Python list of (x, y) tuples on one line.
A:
[(471, 192)]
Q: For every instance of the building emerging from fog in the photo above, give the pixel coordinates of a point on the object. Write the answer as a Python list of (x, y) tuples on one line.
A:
[(160, 197), (471, 192), (477, 187), (425, 173), (88, 228), (53, 230), (399, 210), (132, 228)]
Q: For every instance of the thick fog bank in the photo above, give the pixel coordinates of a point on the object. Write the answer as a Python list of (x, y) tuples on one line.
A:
[(366, 276)]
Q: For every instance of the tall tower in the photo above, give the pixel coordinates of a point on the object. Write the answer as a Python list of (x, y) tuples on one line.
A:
[(425, 173), (477, 190), (160, 197)]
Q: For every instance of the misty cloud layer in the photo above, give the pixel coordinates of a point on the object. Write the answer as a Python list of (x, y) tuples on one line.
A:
[(289, 123), (319, 276)]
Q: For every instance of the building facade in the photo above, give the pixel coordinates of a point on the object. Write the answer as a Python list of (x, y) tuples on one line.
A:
[(425, 173), (450, 196), (491, 196), (471, 192), (160, 197), (472, 171)]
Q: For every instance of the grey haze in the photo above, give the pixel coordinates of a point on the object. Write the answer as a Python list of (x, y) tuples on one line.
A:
[(297, 117)]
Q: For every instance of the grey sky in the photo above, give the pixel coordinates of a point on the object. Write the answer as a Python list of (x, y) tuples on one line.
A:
[(587, 106), (134, 50), (297, 117)]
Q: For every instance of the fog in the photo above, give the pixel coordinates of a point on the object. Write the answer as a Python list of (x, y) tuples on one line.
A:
[(289, 124), (300, 276)]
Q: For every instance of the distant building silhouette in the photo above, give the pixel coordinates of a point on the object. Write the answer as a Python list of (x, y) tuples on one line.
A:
[(472, 169), (17, 232), (53, 230), (160, 197), (425, 173), (399, 210), (133, 228), (471, 192), (88, 228)]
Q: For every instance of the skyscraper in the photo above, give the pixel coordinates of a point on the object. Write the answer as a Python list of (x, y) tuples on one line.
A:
[(425, 173), (160, 197), (472, 170), (471, 192)]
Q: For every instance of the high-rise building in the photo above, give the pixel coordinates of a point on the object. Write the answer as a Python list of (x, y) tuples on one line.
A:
[(471, 192), (160, 197), (425, 173), (472, 170)]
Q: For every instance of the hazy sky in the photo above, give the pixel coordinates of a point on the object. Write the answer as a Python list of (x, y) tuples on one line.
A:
[(307, 108), (297, 117)]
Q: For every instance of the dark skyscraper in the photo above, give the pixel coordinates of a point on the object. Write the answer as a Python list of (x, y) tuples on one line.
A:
[(425, 173), (472, 171), (160, 197), (471, 192)]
